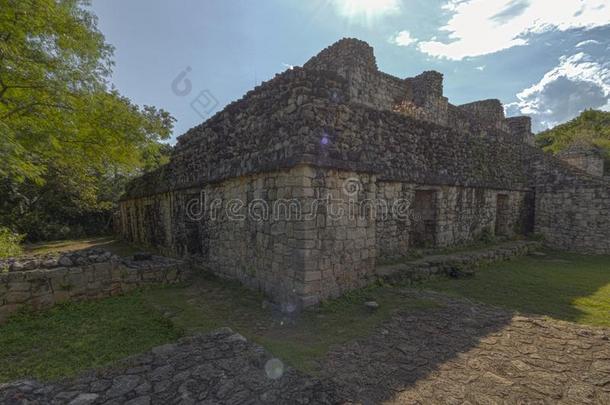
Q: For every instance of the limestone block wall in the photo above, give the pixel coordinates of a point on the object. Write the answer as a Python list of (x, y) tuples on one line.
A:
[(299, 137), (392, 230), (43, 288), (296, 234), (574, 217), (257, 232), (345, 232), (304, 116), (462, 214), (160, 220), (246, 228), (572, 209)]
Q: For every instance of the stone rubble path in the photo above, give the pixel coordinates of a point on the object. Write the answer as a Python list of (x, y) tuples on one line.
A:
[(467, 353), (457, 353), (217, 368)]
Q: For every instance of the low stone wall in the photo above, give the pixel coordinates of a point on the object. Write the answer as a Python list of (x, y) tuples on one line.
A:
[(43, 288), (456, 264)]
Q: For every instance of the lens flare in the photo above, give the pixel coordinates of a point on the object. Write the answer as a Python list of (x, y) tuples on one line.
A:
[(366, 10)]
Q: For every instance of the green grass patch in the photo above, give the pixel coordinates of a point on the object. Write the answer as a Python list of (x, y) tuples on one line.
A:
[(72, 337), (108, 243), (564, 286), (9, 243), (210, 303)]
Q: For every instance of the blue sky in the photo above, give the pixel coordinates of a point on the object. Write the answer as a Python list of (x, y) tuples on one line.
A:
[(549, 59)]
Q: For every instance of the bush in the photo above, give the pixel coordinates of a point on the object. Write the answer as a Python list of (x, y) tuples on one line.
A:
[(9, 243)]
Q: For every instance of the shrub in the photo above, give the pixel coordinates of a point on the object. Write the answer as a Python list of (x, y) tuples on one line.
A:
[(9, 243)]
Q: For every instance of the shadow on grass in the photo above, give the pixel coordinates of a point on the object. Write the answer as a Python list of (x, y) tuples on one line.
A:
[(302, 341), (69, 338), (561, 285)]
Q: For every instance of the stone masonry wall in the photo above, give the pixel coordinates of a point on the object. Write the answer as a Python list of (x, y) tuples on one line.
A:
[(572, 208), (590, 163), (309, 233), (462, 216), (43, 288), (521, 127), (288, 233)]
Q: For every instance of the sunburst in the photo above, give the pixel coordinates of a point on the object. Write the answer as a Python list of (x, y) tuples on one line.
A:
[(366, 10)]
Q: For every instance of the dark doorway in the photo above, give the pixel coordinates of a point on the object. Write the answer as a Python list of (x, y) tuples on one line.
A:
[(423, 231), (502, 215)]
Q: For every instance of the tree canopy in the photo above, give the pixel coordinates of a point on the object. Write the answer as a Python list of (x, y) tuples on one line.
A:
[(65, 134), (55, 104)]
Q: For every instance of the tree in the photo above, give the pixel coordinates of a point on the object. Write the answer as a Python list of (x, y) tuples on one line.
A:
[(68, 141), (55, 105)]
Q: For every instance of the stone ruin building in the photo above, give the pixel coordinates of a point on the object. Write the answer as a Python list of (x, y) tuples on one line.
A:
[(252, 193)]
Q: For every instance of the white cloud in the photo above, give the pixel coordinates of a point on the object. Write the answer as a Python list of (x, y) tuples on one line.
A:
[(587, 42), (403, 38), (578, 82), (288, 66), (481, 68), (366, 10), (480, 27)]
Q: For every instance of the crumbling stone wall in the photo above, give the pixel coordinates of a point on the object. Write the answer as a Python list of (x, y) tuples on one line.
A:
[(489, 113), (587, 158), (44, 287), (354, 61), (521, 128)]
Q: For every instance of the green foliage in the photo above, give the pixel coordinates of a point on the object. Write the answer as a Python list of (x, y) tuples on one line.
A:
[(76, 336), (9, 243), (592, 127), (68, 142)]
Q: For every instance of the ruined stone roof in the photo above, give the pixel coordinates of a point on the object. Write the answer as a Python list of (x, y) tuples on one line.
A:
[(402, 129)]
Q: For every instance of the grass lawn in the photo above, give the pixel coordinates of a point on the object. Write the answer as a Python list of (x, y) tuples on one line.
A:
[(72, 337), (564, 286)]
